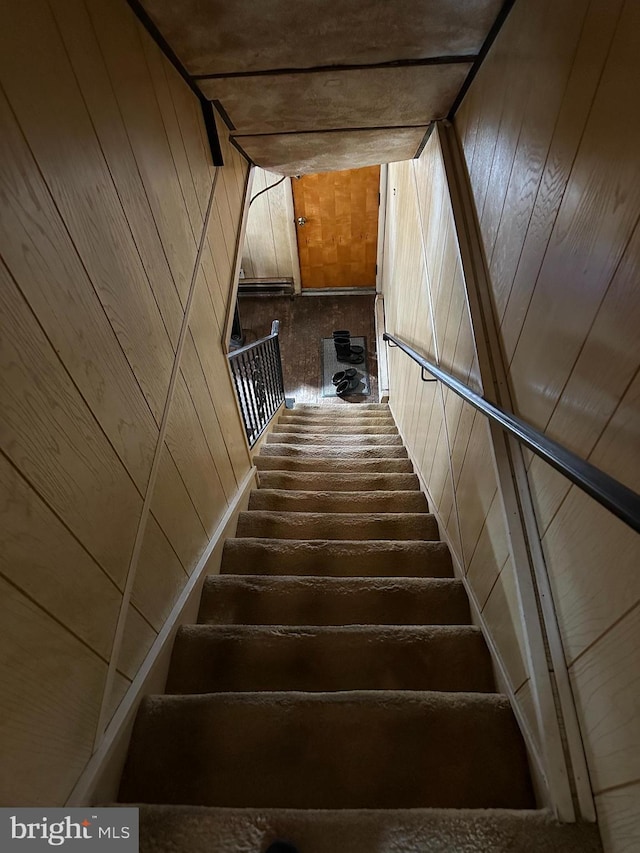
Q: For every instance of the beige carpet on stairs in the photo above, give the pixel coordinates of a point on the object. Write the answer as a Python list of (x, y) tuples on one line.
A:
[(334, 692)]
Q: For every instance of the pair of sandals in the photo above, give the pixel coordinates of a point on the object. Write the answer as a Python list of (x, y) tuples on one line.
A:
[(345, 352)]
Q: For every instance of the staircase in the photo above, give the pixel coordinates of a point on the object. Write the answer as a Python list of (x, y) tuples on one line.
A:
[(334, 691)]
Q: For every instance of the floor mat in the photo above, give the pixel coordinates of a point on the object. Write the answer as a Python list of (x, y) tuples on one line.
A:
[(331, 365)]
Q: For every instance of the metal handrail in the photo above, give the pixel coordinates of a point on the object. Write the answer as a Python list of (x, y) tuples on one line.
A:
[(257, 377), (610, 493)]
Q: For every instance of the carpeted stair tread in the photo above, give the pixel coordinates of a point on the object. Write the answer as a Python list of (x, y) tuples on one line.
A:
[(340, 453), (280, 500), (335, 438), (331, 428), (337, 558), (277, 600), (169, 829), (214, 658), (357, 749), (325, 481), (337, 525), (325, 463)]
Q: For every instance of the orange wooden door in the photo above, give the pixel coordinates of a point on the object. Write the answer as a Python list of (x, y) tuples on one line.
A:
[(337, 243)]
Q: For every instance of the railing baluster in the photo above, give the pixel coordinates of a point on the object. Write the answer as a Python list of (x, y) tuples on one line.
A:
[(257, 377)]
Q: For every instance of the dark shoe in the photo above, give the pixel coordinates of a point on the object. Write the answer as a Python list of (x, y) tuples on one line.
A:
[(339, 376), (281, 847), (343, 348), (352, 358), (347, 386), (342, 333)]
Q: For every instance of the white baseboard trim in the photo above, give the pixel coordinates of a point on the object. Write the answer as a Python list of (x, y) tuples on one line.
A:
[(100, 779), (536, 760)]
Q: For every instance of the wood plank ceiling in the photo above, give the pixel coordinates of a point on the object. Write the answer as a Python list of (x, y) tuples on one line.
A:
[(319, 86)]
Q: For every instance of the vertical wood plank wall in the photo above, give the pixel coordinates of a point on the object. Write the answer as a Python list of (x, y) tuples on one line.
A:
[(551, 132), (425, 305), (105, 183), (267, 250)]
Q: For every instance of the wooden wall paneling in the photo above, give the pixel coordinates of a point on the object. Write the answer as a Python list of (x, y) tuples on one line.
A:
[(220, 253), (581, 540), (159, 578), (593, 49), (260, 236), (594, 225), (461, 432), (51, 436), (49, 704), (84, 52), (515, 68), (492, 81), (137, 639), (618, 812), (118, 690), (214, 365), (476, 486), (174, 510), (187, 444), (599, 382), (556, 42), (457, 311), (156, 65), (203, 402), (279, 211), (119, 35), (526, 704), (43, 93), (191, 124), (490, 554), (41, 557), (247, 266), (501, 612), (440, 467), (614, 451), (225, 204), (44, 264), (606, 682)]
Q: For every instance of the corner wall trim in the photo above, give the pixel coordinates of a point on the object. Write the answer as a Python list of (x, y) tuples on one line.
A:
[(100, 777)]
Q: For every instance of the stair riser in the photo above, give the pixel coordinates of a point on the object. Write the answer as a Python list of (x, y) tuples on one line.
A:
[(341, 409), (282, 500), (332, 422), (257, 600), (322, 464), (308, 480), (212, 660), (338, 437), (310, 751), (301, 525), (336, 559), (345, 454), (333, 429)]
